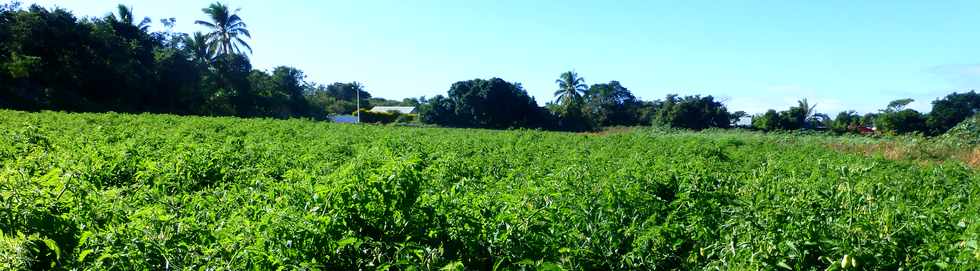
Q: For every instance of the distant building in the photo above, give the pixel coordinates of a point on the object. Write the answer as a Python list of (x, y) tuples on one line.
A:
[(399, 109), (867, 130), (343, 119)]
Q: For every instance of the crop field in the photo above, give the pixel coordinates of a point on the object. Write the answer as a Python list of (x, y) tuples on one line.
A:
[(160, 192)]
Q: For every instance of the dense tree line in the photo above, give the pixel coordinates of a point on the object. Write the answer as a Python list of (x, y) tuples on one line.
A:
[(52, 60), (496, 103), (895, 118)]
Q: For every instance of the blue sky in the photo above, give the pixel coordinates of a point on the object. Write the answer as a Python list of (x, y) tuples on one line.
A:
[(754, 55)]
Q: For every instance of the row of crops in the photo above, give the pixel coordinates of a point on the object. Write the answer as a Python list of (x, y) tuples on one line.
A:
[(113, 191)]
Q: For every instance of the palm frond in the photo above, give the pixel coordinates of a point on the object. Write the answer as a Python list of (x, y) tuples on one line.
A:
[(242, 42), (226, 29), (207, 24), (245, 32)]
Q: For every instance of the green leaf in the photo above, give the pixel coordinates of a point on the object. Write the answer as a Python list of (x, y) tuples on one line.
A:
[(347, 241), (454, 265), (84, 237), (81, 255), (549, 267), (526, 262), (53, 246)]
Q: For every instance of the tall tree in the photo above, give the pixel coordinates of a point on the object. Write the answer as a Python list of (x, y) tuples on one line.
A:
[(125, 15), (846, 121), (571, 87), (768, 121), (951, 110), (806, 109), (737, 116), (198, 45), (693, 112), (612, 104), (493, 103), (227, 30), (898, 105), (896, 119)]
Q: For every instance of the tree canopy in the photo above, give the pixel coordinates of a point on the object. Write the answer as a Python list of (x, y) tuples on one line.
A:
[(951, 110), (53, 60), (491, 103), (227, 30), (692, 112)]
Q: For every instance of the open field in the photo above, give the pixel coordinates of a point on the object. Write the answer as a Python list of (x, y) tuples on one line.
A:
[(113, 191)]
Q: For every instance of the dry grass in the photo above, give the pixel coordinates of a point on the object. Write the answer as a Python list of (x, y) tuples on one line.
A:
[(922, 152), (972, 158)]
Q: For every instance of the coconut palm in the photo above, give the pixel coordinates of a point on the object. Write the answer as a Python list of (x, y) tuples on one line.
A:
[(198, 44), (570, 88), (807, 113), (227, 30), (806, 108), (125, 15)]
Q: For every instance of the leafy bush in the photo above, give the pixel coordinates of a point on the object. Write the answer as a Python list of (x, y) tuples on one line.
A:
[(968, 131), (368, 116), (901, 122)]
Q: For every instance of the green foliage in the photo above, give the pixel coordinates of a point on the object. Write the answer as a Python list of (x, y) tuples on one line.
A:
[(368, 116), (898, 105), (227, 30), (951, 110), (612, 104), (492, 103), (802, 116), (768, 121), (692, 112), (50, 60), (158, 192), (967, 132), (571, 88), (901, 122), (846, 122), (280, 94)]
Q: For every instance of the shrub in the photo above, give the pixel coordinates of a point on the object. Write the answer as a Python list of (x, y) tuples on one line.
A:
[(368, 116)]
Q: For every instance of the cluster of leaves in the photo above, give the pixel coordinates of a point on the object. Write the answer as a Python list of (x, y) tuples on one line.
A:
[(160, 192)]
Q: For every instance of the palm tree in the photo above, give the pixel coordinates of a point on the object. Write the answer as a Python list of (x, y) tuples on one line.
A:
[(808, 110), (125, 15), (357, 87), (226, 29), (198, 43), (570, 88)]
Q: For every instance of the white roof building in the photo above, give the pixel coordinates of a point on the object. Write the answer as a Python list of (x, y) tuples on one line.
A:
[(399, 109), (343, 119)]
